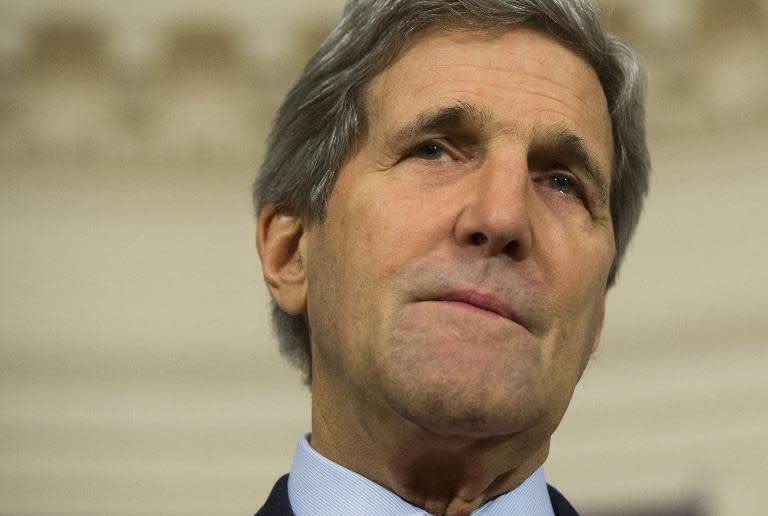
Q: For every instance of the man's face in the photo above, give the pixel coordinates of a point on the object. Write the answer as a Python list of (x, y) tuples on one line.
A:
[(459, 277)]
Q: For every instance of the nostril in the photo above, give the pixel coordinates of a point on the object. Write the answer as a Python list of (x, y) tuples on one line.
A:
[(478, 238), (511, 248)]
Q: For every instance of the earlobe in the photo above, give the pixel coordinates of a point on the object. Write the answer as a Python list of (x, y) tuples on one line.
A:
[(278, 238)]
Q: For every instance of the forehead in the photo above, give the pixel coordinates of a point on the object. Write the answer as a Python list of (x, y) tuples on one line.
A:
[(525, 79)]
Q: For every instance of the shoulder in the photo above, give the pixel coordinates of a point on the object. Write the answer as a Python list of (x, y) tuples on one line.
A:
[(560, 504), (277, 503)]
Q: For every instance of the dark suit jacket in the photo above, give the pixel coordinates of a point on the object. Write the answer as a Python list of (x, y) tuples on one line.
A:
[(278, 505)]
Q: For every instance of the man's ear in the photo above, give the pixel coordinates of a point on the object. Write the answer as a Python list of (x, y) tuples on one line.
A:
[(278, 236)]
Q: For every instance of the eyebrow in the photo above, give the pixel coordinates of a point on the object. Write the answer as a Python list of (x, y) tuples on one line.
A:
[(562, 142), (461, 115)]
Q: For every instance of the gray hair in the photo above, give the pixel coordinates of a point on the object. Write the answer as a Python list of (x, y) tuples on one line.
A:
[(323, 119)]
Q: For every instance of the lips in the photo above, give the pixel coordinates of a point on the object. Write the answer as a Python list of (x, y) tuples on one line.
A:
[(482, 301)]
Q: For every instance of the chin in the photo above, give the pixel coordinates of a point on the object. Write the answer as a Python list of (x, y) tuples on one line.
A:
[(456, 379), (469, 409), (468, 426)]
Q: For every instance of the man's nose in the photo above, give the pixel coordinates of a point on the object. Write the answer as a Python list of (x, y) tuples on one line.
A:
[(496, 215)]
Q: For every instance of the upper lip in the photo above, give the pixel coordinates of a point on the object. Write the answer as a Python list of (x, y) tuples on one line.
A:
[(483, 300)]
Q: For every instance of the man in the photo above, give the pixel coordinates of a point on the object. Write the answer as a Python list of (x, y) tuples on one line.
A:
[(447, 195)]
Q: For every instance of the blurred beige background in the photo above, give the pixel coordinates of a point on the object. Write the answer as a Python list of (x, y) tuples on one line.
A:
[(138, 372)]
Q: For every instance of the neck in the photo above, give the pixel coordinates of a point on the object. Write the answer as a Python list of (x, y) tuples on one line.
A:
[(449, 475)]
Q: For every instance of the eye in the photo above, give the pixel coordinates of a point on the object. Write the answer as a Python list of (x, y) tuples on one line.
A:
[(429, 152), (565, 185)]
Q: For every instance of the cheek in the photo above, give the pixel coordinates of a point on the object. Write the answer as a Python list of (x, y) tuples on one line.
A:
[(392, 227), (575, 253), (580, 294), (577, 259), (579, 307)]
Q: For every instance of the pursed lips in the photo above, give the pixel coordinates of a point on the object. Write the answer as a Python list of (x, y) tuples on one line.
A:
[(478, 300)]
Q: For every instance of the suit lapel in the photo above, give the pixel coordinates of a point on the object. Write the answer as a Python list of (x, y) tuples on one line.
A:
[(277, 503), (560, 504)]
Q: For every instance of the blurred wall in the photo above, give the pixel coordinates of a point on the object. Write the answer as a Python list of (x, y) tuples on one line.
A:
[(138, 372)]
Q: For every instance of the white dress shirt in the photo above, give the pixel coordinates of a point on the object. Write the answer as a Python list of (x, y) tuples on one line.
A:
[(318, 486)]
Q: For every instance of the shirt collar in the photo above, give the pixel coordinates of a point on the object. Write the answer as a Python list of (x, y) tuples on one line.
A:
[(318, 485)]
